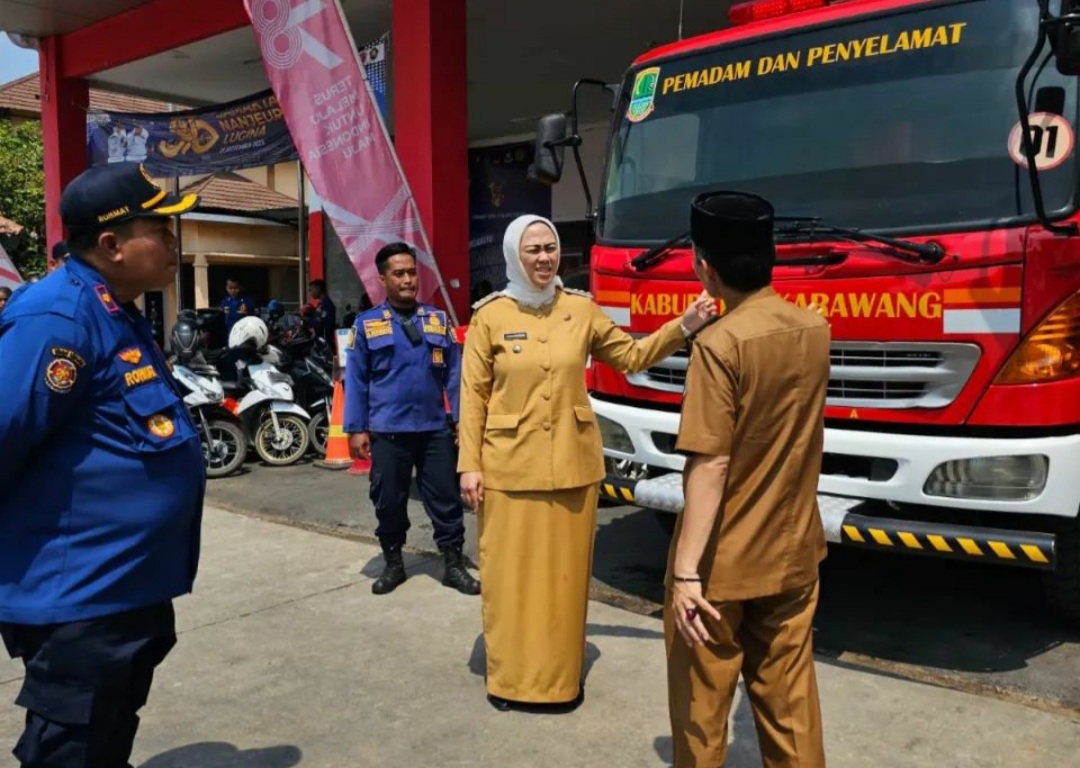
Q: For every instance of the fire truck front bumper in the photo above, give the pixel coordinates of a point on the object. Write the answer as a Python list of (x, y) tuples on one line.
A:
[(1034, 476)]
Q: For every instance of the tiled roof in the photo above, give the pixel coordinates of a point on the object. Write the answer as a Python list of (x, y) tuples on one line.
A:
[(23, 95), (233, 192)]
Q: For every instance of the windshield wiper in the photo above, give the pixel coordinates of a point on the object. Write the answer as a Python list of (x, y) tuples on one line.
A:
[(905, 250), (803, 227), (654, 256)]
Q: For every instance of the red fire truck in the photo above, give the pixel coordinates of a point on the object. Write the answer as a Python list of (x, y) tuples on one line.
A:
[(922, 160)]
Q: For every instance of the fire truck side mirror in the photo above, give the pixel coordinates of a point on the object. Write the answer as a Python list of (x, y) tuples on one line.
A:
[(1065, 36), (551, 140)]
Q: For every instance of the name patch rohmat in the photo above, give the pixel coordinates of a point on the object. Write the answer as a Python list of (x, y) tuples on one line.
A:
[(140, 376), (519, 336)]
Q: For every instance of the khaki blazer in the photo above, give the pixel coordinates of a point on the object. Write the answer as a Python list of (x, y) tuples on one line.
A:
[(525, 421)]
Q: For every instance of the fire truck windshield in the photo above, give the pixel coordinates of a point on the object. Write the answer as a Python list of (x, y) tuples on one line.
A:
[(899, 122)]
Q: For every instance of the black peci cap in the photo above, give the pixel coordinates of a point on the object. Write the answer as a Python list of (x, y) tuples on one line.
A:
[(732, 224), (116, 192)]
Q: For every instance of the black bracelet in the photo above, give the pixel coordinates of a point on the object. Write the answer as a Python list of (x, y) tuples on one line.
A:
[(688, 579)]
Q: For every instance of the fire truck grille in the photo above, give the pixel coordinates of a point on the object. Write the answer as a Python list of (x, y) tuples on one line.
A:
[(865, 374)]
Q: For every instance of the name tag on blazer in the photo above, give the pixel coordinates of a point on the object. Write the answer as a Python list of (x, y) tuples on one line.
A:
[(519, 336)]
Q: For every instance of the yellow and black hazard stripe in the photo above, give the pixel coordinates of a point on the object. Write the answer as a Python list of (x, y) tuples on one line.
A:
[(618, 490), (1020, 548)]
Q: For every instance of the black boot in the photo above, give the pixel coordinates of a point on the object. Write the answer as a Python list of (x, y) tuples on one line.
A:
[(393, 575), (455, 575)]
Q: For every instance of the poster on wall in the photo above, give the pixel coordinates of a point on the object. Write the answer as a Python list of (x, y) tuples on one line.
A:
[(499, 192)]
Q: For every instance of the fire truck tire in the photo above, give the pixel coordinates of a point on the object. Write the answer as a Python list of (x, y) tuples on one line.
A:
[(1062, 586)]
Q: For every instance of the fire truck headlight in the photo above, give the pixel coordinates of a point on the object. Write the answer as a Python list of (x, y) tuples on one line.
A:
[(993, 478), (615, 438)]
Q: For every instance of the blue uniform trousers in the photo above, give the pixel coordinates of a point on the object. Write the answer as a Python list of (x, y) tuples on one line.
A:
[(433, 454), (85, 683)]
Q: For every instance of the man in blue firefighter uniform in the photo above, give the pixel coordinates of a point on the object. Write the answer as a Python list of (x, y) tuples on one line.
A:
[(402, 363), (102, 477)]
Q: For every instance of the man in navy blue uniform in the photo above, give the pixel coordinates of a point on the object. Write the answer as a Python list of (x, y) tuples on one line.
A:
[(102, 474), (320, 311), (403, 363), (236, 303)]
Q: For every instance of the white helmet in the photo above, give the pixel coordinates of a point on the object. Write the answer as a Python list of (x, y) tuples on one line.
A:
[(249, 330)]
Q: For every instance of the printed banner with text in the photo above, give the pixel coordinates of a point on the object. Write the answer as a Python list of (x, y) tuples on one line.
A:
[(329, 106), (241, 134)]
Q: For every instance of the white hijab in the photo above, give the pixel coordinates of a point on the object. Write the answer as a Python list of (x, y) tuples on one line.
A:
[(520, 288)]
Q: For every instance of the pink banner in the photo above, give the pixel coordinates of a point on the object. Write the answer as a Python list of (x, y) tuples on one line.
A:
[(335, 122), (9, 278)]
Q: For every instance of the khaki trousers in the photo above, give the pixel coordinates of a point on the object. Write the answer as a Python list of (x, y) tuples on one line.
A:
[(769, 641)]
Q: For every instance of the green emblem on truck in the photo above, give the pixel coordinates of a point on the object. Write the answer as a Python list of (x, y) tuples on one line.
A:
[(643, 95)]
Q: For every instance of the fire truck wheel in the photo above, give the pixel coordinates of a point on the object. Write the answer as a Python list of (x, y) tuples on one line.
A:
[(1063, 585)]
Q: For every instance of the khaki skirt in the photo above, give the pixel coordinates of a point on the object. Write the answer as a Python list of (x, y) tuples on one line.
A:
[(536, 551)]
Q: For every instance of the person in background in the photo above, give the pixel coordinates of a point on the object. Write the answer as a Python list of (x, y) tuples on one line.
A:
[(742, 576), (531, 461), (350, 317), (102, 477), (5, 294), (320, 311), (59, 254), (403, 366), (236, 303)]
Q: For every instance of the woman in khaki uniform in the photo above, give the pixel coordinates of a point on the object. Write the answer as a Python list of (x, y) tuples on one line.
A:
[(531, 461)]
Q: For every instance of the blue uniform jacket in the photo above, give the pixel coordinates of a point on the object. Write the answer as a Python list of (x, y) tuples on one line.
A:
[(393, 385), (324, 319), (232, 309), (101, 472)]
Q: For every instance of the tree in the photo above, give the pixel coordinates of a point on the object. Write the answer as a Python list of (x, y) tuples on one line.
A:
[(22, 194)]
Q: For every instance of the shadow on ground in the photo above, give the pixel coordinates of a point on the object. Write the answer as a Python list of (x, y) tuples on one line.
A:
[(213, 754)]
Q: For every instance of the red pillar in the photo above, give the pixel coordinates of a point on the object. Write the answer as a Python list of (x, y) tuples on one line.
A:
[(64, 102), (431, 128), (316, 245)]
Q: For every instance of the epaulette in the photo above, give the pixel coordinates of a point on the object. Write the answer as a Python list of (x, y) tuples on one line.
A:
[(576, 292), (487, 299)]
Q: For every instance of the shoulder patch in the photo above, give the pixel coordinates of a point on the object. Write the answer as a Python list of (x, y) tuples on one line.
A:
[(107, 300), (60, 374), (576, 292), (488, 299)]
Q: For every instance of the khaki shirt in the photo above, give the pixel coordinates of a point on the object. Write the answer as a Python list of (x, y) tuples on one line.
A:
[(525, 421), (755, 391)]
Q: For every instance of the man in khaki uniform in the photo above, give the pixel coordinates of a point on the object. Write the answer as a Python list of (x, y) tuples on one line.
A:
[(742, 579)]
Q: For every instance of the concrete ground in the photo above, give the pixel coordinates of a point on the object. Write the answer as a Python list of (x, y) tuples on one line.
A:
[(286, 659), (972, 627)]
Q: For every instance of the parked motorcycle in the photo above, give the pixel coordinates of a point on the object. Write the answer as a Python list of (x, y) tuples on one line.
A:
[(224, 444), (275, 424), (309, 361)]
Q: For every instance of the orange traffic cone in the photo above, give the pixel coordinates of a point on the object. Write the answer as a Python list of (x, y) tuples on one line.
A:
[(337, 446)]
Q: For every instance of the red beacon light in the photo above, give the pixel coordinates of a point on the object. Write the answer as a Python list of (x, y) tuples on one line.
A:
[(758, 10)]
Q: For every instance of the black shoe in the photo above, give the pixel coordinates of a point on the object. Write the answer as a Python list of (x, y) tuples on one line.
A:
[(500, 704), (456, 575), (393, 575)]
